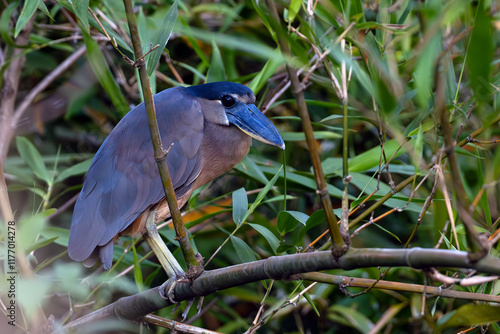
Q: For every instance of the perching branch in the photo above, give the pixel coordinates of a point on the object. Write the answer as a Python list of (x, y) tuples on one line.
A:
[(284, 268), (160, 153)]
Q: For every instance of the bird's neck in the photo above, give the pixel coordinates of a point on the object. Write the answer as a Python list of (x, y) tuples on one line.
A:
[(223, 147)]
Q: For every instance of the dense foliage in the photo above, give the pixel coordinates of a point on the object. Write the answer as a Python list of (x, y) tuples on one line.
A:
[(403, 102)]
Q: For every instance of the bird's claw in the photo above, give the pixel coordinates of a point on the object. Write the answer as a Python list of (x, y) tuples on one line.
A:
[(167, 290)]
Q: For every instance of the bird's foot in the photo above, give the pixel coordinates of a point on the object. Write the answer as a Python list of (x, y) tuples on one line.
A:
[(167, 289)]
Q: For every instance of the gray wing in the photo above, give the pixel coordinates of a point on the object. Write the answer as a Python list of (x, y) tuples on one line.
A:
[(123, 179)]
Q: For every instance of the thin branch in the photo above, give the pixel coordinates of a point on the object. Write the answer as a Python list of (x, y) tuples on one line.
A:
[(42, 85), (298, 93), (397, 286)]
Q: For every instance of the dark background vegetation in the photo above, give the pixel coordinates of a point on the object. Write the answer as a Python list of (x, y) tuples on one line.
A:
[(406, 63)]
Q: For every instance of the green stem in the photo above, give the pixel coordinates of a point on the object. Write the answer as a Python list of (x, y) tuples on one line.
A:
[(159, 152)]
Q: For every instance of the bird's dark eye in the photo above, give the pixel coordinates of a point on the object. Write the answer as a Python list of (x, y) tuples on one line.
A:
[(227, 101)]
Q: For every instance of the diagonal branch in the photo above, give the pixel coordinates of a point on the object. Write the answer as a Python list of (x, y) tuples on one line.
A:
[(298, 92)]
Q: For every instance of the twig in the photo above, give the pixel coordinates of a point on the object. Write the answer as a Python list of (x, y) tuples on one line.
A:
[(42, 85)]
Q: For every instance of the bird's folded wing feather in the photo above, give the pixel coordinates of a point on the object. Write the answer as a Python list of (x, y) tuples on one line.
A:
[(123, 180)]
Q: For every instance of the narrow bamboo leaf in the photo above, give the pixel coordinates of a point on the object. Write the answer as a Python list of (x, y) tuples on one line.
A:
[(33, 158), (480, 53), (485, 204), (151, 277), (293, 10), (81, 9), (470, 315), (162, 38), (284, 248), (216, 72), (388, 232), (288, 221), (249, 167), (355, 318), (78, 169), (318, 135), (263, 193), (44, 10), (371, 158), (5, 23), (240, 205), (40, 244), (304, 181), (29, 8), (424, 71), (137, 271), (30, 227), (104, 75), (267, 71), (244, 252), (268, 235), (59, 234), (419, 148), (318, 217)]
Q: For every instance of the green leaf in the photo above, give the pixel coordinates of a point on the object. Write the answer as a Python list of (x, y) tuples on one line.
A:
[(318, 217), (240, 205), (480, 53), (304, 181), (244, 252), (40, 244), (149, 280), (104, 75), (469, 315), (137, 271), (387, 231), (80, 8), (485, 204), (59, 234), (366, 160), (5, 22), (32, 157), (216, 72), (262, 194), (250, 168), (288, 221), (29, 8), (293, 10), (29, 228), (161, 38), (268, 235), (424, 71), (44, 10), (318, 135), (78, 169), (267, 71), (355, 318)]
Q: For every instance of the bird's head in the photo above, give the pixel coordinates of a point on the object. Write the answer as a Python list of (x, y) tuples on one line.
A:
[(227, 103)]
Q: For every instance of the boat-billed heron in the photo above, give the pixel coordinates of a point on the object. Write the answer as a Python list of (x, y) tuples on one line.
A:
[(208, 129)]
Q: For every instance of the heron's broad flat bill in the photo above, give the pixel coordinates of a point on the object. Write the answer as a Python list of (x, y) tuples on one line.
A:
[(249, 119)]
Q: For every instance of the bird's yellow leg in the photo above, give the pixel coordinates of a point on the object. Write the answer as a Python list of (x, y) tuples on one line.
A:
[(166, 258)]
